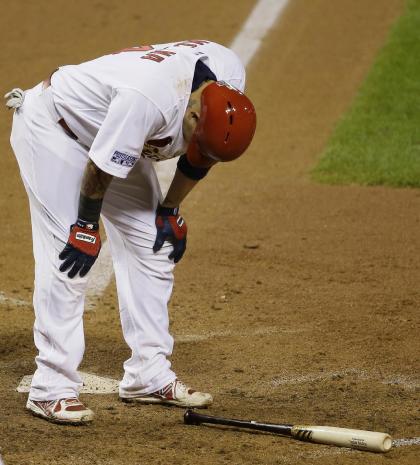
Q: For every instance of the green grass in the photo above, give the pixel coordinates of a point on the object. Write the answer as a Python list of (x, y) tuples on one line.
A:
[(378, 141)]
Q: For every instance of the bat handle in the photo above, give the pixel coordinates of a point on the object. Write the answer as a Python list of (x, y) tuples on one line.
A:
[(193, 418), (189, 418)]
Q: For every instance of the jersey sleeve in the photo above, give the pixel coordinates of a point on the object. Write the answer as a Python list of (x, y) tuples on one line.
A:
[(130, 121), (239, 83), (238, 80), (233, 72)]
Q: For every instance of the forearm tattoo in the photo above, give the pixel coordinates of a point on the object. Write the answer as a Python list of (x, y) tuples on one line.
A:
[(95, 181), (94, 185)]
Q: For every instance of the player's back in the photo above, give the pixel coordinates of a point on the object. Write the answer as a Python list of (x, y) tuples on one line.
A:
[(163, 73)]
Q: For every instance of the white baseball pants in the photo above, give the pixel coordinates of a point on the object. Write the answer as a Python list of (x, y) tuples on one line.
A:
[(52, 165)]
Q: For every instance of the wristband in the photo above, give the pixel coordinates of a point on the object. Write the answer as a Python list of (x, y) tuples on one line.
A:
[(90, 225), (190, 171), (89, 209), (166, 211)]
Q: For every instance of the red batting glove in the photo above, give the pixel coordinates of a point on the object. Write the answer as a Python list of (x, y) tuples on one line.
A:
[(173, 228), (82, 248)]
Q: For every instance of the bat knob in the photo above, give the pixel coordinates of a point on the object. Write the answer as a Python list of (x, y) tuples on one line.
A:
[(189, 418)]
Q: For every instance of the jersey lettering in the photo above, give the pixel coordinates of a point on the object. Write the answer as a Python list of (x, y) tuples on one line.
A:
[(191, 43), (140, 48), (157, 55)]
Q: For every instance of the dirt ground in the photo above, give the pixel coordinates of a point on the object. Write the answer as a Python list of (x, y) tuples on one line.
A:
[(294, 303)]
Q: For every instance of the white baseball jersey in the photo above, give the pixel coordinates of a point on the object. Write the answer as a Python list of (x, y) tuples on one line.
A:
[(131, 104)]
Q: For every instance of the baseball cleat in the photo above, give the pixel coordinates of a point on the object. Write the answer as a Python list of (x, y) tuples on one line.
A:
[(65, 411), (175, 393)]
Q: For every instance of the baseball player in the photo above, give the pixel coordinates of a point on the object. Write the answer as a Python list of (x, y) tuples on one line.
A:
[(86, 140)]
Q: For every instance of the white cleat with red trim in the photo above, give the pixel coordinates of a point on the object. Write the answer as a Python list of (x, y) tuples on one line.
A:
[(67, 411), (175, 393)]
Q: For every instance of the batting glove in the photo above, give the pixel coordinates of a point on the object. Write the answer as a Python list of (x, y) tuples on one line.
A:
[(82, 248), (171, 227)]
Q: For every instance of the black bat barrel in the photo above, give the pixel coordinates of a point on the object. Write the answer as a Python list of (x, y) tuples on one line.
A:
[(193, 418)]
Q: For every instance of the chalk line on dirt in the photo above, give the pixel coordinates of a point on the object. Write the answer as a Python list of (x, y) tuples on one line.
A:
[(406, 442), (92, 384), (4, 299), (394, 379), (234, 333), (259, 22), (100, 276)]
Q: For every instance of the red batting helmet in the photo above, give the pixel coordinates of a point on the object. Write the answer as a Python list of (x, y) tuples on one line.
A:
[(225, 128)]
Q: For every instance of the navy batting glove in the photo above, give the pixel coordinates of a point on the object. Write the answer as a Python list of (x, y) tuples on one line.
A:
[(171, 227), (82, 248)]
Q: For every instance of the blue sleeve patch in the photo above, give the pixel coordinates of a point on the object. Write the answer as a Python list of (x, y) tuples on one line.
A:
[(123, 159)]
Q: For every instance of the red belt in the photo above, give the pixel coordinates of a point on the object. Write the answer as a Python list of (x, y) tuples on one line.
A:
[(61, 121)]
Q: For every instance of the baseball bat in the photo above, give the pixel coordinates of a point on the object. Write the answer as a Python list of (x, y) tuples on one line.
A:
[(356, 439)]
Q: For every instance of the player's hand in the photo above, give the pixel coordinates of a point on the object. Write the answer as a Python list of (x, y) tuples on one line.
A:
[(171, 227), (82, 248)]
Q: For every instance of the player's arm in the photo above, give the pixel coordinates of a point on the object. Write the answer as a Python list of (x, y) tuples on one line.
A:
[(170, 225), (191, 167), (84, 243), (114, 152), (180, 187), (94, 185)]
